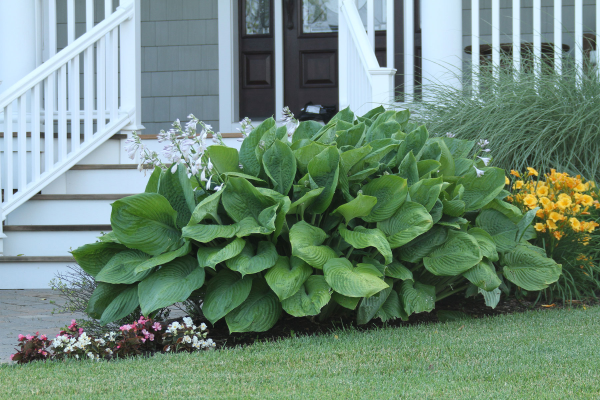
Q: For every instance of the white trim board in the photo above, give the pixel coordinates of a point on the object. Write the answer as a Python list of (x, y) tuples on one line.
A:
[(229, 76)]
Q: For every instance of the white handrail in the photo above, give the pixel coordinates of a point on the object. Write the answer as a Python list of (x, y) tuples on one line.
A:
[(71, 51)]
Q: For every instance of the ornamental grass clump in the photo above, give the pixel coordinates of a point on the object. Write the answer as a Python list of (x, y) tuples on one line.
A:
[(367, 213), (567, 216)]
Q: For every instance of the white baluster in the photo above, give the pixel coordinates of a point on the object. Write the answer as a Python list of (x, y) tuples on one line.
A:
[(22, 143), (558, 36), (35, 133), (51, 28), (537, 37), (49, 123), (62, 113), (390, 39), (409, 49), (371, 23), (597, 38), (343, 64), (88, 76), (89, 15), (74, 106), (579, 39), (113, 67), (496, 38), (475, 46), (8, 152), (516, 27), (101, 84)]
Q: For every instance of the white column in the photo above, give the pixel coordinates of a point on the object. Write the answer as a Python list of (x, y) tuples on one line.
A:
[(17, 40), (441, 39)]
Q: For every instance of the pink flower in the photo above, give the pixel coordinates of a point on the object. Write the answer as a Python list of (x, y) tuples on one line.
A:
[(80, 331), (45, 353), (125, 328), (151, 336), (44, 337), (12, 356), (143, 340), (142, 320), (29, 337), (73, 322), (157, 326), (21, 338)]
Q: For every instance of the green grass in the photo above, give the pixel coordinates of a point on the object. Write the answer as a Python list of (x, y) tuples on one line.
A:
[(538, 354)]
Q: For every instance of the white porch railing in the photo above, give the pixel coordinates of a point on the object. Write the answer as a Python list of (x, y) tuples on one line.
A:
[(49, 100), (363, 84)]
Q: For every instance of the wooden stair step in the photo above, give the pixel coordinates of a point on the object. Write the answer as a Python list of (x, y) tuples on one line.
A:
[(79, 196), (80, 167), (116, 136), (25, 259), (57, 228)]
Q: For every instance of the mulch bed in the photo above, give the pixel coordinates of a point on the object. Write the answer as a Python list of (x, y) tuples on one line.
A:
[(289, 326)]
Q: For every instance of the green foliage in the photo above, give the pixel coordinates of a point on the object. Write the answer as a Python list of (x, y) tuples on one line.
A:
[(357, 214)]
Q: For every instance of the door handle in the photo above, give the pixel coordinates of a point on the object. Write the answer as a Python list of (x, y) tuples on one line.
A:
[(289, 10)]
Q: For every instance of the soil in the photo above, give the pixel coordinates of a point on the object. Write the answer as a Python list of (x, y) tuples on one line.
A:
[(289, 326)]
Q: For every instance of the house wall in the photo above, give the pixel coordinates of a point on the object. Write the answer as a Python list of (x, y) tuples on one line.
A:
[(179, 58)]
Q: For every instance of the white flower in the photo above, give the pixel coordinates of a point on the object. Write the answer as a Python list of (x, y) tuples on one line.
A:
[(174, 168), (90, 355), (486, 160), (109, 351), (450, 135), (218, 188), (168, 348), (483, 143), (486, 150), (210, 343), (186, 339), (188, 322), (203, 326), (101, 342), (479, 171)]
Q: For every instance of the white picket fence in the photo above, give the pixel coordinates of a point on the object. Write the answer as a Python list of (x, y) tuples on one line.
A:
[(50, 102)]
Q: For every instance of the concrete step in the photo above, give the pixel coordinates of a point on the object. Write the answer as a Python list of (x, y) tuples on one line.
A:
[(31, 272), (66, 209), (49, 240)]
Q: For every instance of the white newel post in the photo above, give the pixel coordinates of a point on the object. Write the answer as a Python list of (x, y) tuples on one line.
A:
[(441, 38), (18, 45), (131, 67), (383, 90)]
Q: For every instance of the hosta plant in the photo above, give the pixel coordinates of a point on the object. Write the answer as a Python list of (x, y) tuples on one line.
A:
[(365, 213)]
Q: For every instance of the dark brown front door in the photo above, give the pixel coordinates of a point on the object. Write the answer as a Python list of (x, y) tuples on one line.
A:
[(310, 53)]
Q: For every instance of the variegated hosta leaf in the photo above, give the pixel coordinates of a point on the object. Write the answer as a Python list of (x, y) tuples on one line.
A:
[(206, 233), (306, 244), (408, 222), (287, 276), (458, 254), (224, 292), (483, 275), (172, 283), (361, 206), (486, 243), (370, 305), (422, 245), (249, 263), (164, 258), (417, 297), (361, 281), (502, 230), (258, 313), (390, 191), (93, 257), (492, 297), (527, 268), (211, 256), (392, 308), (398, 271), (121, 268), (362, 237), (312, 296), (347, 302)]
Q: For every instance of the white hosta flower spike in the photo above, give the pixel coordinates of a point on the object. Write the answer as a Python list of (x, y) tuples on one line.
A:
[(486, 160), (479, 172)]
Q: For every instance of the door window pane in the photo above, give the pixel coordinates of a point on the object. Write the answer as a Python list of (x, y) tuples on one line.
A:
[(320, 16), (258, 17)]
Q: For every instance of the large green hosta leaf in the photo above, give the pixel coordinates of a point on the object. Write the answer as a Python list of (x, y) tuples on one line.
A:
[(211, 256), (172, 283), (398, 271), (361, 281), (206, 233), (362, 237), (93, 257), (247, 262), (258, 313), (145, 222), (370, 305), (306, 243), (112, 302), (483, 275), (248, 157), (121, 268), (486, 243), (480, 191), (164, 258), (458, 254), (347, 302), (422, 245), (408, 222), (426, 192), (208, 207), (306, 130), (351, 136), (152, 185), (225, 159), (103, 295), (502, 230), (287, 276), (408, 169), (224, 292), (241, 199), (280, 165), (392, 308), (305, 154), (361, 206), (312, 296), (526, 267), (324, 171), (390, 191), (417, 297), (305, 201), (177, 189)]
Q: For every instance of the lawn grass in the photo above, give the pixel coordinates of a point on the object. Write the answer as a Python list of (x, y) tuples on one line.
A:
[(533, 355)]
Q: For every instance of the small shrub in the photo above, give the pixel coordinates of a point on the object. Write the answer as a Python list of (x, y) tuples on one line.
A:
[(567, 211), (32, 348), (365, 213)]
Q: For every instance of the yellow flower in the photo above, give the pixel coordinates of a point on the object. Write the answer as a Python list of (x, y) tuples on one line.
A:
[(576, 209), (532, 172), (558, 235), (546, 203), (540, 227), (506, 180), (580, 187), (542, 191), (587, 200), (540, 213), (530, 201), (515, 173), (551, 225), (554, 216), (518, 185), (564, 203), (575, 224)]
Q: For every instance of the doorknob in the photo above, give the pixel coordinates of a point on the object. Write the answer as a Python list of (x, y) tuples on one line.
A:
[(289, 10)]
